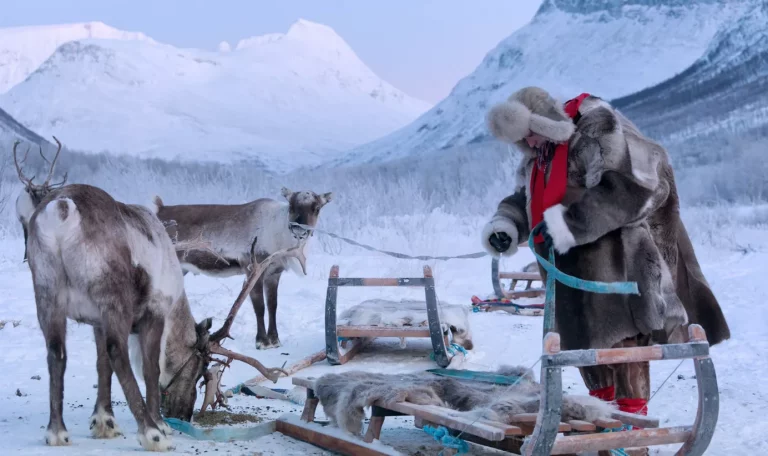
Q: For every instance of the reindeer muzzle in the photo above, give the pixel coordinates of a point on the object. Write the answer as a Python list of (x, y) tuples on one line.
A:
[(298, 231)]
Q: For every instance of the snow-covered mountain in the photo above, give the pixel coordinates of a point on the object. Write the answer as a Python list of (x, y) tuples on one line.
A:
[(723, 94), (23, 49), (11, 129), (610, 49), (282, 100)]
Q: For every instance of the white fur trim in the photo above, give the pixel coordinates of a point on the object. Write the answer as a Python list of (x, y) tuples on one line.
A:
[(556, 130), (500, 225), (562, 238), (509, 121)]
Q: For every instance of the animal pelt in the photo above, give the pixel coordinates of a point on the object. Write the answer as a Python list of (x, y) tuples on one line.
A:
[(383, 312), (345, 396)]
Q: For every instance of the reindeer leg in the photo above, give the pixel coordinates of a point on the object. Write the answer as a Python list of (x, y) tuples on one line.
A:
[(103, 424), (150, 338), (150, 436), (53, 322), (272, 282), (257, 298)]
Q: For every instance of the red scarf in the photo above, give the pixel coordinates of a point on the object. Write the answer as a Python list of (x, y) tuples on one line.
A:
[(546, 194)]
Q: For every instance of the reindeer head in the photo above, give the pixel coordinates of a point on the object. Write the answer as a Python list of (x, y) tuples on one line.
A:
[(304, 209), (179, 393), (33, 194)]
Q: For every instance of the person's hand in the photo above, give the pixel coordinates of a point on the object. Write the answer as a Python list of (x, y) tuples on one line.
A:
[(500, 241), (541, 229)]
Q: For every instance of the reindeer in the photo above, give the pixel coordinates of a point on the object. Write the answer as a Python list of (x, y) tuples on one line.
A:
[(231, 229), (113, 266)]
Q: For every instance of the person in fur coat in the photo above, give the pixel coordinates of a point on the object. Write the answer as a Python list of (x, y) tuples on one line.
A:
[(604, 196)]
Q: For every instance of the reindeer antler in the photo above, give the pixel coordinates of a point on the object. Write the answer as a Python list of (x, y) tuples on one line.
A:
[(212, 381), (46, 185), (24, 179), (296, 252)]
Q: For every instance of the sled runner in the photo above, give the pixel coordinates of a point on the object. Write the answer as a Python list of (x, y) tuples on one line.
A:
[(343, 342), (526, 278)]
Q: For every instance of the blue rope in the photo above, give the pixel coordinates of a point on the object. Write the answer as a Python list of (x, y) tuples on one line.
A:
[(555, 275), (442, 435), (581, 284), (451, 349)]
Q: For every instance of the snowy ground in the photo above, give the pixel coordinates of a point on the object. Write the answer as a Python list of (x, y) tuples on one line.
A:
[(733, 264)]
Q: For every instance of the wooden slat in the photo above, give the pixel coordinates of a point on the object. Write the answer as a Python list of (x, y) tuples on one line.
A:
[(461, 424), (508, 429), (306, 382), (381, 331), (607, 424), (357, 345), (582, 426), (376, 282), (520, 276), (530, 293), (594, 357), (316, 435), (374, 429), (310, 407), (635, 419), (610, 440), (527, 421)]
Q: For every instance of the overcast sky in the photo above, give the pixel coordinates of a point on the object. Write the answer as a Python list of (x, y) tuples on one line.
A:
[(422, 47)]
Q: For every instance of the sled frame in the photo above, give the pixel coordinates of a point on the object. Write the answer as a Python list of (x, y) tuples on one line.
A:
[(517, 276), (493, 434), (695, 438), (357, 337)]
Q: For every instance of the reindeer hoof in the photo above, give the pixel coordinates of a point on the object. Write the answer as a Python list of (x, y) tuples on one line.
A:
[(60, 438), (263, 344), (104, 426), (164, 428), (154, 440)]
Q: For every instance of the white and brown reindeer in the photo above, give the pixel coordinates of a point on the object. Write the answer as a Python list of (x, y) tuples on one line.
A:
[(113, 266), (240, 234)]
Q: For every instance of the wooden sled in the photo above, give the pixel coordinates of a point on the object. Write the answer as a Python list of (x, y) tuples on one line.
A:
[(501, 436), (527, 278), (357, 337), (695, 438), (543, 433)]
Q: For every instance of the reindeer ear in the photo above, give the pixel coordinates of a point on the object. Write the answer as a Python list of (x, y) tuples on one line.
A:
[(286, 192), (327, 197), (204, 326)]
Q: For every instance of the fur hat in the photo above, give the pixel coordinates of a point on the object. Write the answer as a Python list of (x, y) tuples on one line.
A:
[(530, 110)]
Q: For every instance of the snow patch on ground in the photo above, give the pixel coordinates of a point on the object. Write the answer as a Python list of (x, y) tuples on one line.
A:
[(731, 245)]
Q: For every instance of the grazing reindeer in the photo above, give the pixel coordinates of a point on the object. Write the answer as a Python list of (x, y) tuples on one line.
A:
[(241, 234), (112, 266)]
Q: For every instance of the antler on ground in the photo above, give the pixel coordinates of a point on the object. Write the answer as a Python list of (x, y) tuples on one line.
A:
[(212, 377)]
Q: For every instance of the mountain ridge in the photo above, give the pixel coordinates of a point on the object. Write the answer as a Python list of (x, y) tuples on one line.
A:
[(281, 102)]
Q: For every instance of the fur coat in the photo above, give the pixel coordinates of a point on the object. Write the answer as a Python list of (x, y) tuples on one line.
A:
[(619, 221)]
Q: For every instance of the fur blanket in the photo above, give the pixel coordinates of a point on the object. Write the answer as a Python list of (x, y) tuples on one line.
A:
[(345, 396), (383, 312)]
